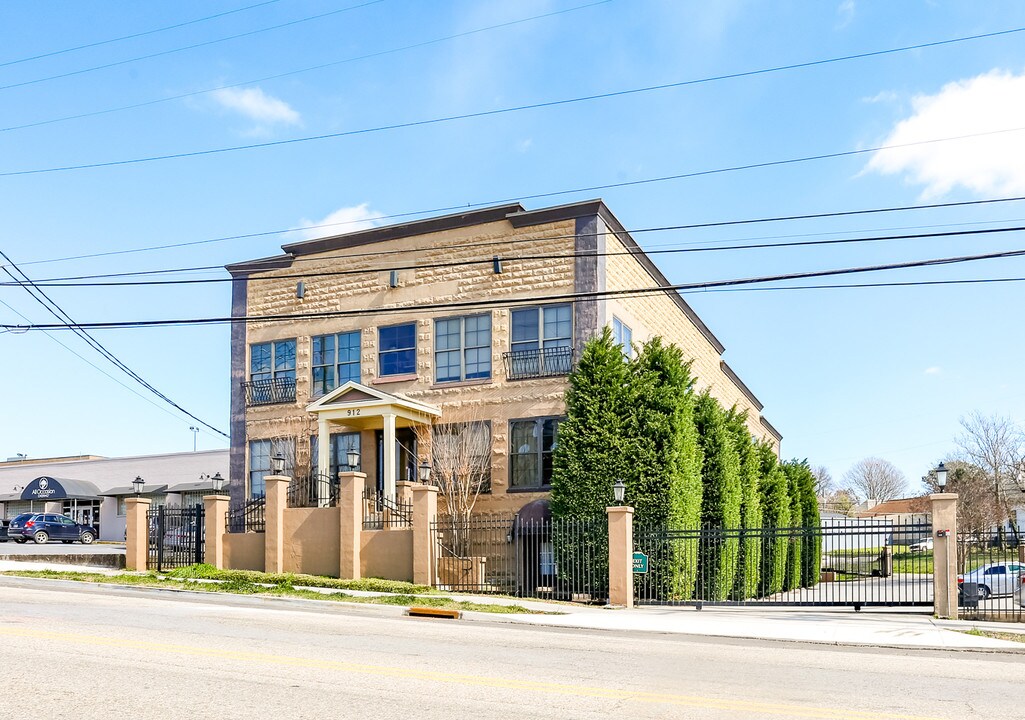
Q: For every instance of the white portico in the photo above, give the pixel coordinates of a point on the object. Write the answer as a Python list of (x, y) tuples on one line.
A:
[(357, 407)]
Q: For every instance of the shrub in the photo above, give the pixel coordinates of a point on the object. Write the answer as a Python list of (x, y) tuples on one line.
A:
[(775, 504), (749, 561), (721, 499)]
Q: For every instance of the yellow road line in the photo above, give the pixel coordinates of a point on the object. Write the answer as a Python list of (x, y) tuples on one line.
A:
[(746, 706)]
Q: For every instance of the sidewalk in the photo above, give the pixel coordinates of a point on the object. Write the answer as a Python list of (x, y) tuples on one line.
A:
[(839, 627)]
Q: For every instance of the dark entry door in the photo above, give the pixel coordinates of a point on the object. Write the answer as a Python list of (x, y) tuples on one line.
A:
[(405, 456)]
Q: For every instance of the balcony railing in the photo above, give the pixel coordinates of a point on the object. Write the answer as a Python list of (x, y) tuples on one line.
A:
[(543, 362), (269, 391)]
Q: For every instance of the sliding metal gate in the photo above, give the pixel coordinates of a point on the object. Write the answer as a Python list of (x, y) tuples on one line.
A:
[(850, 563), (176, 537)]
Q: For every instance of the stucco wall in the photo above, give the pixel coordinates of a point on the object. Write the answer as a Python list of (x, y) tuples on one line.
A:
[(311, 541), (243, 551), (387, 554)]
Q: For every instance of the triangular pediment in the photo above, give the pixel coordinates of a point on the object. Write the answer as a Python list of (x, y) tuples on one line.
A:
[(354, 393)]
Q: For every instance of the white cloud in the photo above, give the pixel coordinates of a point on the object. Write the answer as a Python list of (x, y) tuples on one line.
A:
[(988, 165), (883, 96), (846, 13), (932, 370), (524, 145), (343, 220), (256, 105)]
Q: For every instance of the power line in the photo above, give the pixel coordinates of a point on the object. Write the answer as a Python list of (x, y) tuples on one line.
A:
[(136, 35), (96, 367), (299, 71), (505, 301), (534, 106), (690, 226), (187, 47), (54, 309), (68, 283)]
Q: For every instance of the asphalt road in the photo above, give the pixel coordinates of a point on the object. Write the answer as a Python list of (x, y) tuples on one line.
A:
[(92, 652)]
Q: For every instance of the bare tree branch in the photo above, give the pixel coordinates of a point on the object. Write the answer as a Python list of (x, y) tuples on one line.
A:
[(875, 479)]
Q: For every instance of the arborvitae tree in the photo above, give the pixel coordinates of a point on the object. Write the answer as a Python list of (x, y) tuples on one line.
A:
[(593, 451), (749, 561), (811, 553), (796, 540), (721, 497), (665, 483), (775, 501)]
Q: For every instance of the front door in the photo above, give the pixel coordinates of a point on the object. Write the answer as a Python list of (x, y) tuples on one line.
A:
[(405, 456)]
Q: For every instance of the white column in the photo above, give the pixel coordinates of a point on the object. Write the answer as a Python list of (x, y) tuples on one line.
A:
[(323, 455), (389, 456)]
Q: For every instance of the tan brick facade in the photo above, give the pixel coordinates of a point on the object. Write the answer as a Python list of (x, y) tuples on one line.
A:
[(444, 261)]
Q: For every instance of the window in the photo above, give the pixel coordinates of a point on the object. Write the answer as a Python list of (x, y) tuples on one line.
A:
[(542, 328), (530, 452), (462, 348), (341, 444), (623, 335), (260, 453), (461, 454), (335, 361), (397, 349), (272, 360)]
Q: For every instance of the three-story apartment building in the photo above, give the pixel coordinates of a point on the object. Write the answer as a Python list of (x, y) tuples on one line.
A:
[(360, 341)]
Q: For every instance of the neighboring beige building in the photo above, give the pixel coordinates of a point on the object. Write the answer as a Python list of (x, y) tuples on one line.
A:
[(474, 316)]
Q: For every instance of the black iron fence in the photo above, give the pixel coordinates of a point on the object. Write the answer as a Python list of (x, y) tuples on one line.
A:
[(380, 511), (250, 516), (562, 559), (313, 491), (850, 563), (542, 362), (176, 536), (990, 571)]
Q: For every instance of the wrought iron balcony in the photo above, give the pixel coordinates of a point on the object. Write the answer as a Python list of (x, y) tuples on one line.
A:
[(269, 391), (543, 362)]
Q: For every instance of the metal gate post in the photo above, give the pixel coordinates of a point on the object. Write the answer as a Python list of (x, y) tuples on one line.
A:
[(160, 538), (198, 554)]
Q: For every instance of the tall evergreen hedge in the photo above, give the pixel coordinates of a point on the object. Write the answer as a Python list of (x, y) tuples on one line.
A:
[(721, 499), (811, 552), (593, 449), (749, 559), (665, 483), (774, 496), (795, 550)]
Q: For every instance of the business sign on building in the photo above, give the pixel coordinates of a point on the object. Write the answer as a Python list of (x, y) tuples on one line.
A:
[(44, 488)]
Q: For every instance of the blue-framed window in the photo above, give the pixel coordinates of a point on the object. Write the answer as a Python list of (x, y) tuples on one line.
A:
[(623, 335), (462, 348), (396, 349), (542, 328), (272, 360), (260, 453), (335, 361)]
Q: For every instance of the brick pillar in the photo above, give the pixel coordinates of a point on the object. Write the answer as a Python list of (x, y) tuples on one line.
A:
[(214, 509), (621, 548), (944, 554), (137, 529), (425, 512), (350, 523), (274, 514)]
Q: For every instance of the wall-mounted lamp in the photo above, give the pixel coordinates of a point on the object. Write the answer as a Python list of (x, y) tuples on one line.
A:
[(300, 289), (393, 279), (497, 265)]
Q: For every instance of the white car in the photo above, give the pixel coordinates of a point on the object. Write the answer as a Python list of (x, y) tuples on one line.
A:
[(995, 579), (922, 545)]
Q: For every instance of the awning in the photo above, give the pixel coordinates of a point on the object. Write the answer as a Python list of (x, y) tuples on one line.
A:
[(44, 489), (129, 490)]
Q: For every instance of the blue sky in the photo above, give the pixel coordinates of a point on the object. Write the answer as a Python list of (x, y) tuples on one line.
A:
[(843, 373)]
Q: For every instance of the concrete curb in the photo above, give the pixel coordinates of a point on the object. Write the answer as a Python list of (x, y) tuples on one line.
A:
[(565, 622), (112, 561)]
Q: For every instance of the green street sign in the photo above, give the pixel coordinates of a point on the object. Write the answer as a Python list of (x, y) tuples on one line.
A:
[(640, 563)]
